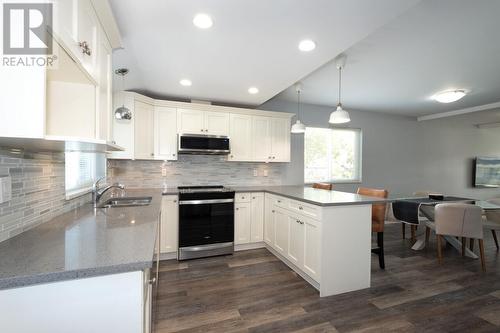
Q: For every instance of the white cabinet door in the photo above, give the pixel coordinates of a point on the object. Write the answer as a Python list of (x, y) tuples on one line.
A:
[(312, 248), (190, 121), (281, 231), (165, 133), (87, 33), (216, 123), (240, 137), (242, 223), (280, 140), (169, 224), (257, 208), (269, 220), (143, 130), (65, 23), (261, 138), (295, 240), (104, 107)]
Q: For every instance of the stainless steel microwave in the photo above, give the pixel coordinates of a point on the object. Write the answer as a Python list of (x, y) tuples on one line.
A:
[(203, 144)]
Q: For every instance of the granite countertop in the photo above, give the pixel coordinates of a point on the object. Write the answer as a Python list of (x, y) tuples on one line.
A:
[(305, 194), (82, 243)]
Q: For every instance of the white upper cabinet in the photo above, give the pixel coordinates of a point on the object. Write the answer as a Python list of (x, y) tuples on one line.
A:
[(202, 122), (165, 133), (104, 96), (240, 137), (143, 129), (87, 37), (280, 140), (271, 139), (217, 123), (261, 135)]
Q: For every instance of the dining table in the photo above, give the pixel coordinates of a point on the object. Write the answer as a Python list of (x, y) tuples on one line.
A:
[(419, 210)]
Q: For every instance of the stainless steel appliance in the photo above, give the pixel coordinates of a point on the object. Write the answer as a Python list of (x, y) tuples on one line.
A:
[(206, 221), (203, 144)]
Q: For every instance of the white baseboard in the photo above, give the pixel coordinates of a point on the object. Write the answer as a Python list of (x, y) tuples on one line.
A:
[(250, 246), (168, 256)]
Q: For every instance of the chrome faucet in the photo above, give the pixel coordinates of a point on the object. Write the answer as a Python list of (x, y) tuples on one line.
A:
[(97, 193)]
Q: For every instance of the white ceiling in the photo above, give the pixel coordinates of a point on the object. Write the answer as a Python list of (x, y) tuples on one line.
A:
[(435, 46), (252, 43)]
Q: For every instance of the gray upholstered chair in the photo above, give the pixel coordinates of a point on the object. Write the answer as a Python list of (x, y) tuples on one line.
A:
[(492, 221), (459, 220)]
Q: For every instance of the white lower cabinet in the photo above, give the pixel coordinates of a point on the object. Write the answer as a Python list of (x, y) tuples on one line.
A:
[(295, 236), (249, 218), (169, 224)]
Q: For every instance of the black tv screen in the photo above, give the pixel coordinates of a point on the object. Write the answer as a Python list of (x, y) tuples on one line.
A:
[(487, 172)]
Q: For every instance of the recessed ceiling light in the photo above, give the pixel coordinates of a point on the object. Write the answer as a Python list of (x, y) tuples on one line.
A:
[(307, 45), (449, 96), (185, 82), (253, 90), (202, 21)]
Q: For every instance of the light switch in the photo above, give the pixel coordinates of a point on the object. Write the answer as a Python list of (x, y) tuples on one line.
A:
[(164, 172), (266, 173), (255, 172), (5, 189)]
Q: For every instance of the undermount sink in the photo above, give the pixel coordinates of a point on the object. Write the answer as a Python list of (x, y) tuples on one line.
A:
[(126, 202)]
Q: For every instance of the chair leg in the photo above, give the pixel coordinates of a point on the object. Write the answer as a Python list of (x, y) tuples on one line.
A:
[(380, 243), (471, 244), (481, 251), (440, 253), (427, 235), (464, 241), (403, 227), (413, 236), (493, 232)]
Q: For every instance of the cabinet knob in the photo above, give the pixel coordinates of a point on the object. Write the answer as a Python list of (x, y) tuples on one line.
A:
[(300, 207), (152, 280), (152, 154), (232, 156), (274, 157), (175, 201), (85, 48), (272, 211), (253, 197), (173, 154), (279, 201), (237, 209)]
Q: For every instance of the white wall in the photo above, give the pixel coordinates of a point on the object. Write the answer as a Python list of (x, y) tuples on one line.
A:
[(403, 155)]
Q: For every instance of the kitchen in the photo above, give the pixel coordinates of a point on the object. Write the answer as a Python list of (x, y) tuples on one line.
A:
[(140, 181)]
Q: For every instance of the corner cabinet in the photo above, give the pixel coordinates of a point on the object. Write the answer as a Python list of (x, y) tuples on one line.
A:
[(249, 218)]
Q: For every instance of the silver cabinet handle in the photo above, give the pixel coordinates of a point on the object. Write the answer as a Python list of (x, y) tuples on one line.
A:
[(152, 281), (152, 154), (243, 198), (272, 211), (274, 157), (279, 201), (175, 201), (173, 154), (85, 48), (300, 207), (237, 209), (253, 197)]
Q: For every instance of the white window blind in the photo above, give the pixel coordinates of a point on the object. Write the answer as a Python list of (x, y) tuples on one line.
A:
[(332, 155), (82, 169)]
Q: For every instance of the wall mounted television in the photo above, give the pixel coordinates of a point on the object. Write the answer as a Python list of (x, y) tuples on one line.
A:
[(487, 172)]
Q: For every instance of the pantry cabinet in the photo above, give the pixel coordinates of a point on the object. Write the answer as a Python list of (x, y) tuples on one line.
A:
[(202, 122), (169, 224)]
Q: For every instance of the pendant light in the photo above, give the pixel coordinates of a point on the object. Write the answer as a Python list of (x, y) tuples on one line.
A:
[(340, 116), (122, 113), (298, 127)]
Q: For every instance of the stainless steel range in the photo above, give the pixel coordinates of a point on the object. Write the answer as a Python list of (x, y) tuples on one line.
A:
[(206, 221)]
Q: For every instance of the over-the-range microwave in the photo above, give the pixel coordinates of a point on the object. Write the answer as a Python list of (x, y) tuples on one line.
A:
[(203, 144)]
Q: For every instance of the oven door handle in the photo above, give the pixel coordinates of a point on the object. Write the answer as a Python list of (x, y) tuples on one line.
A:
[(201, 202)]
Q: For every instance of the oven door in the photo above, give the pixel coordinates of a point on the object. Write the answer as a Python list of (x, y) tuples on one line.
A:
[(204, 222)]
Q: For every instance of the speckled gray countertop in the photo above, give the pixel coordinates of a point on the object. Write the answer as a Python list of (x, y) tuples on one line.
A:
[(305, 194), (83, 243)]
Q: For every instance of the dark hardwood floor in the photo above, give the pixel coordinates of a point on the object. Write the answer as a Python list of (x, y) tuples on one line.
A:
[(252, 291)]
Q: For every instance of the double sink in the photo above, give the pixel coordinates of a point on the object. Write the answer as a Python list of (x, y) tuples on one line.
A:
[(125, 202)]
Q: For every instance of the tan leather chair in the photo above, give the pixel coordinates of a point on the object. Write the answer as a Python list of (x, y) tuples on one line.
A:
[(323, 186), (459, 220), (378, 220)]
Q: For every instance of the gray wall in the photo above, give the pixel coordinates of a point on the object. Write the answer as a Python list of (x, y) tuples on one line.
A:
[(38, 193), (404, 155)]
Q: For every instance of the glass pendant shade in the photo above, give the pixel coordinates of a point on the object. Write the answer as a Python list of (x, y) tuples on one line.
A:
[(339, 116), (298, 127)]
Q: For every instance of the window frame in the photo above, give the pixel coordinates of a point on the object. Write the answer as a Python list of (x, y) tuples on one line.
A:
[(359, 179)]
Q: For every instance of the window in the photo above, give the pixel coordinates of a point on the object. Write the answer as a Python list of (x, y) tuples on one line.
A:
[(82, 169), (332, 155)]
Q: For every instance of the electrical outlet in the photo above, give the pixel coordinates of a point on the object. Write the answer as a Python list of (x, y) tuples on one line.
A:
[(255, 172), (164, 172), (266, 173)]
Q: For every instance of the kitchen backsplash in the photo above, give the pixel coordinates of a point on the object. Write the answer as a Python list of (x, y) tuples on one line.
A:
[(37, 191), (194, 170)]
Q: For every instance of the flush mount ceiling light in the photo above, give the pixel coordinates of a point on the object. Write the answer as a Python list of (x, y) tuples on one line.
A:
[(449, 96), (253, 90), (307, 45), (122, 113), (185, 83), (202, 21), (340, 116), (298, 127)]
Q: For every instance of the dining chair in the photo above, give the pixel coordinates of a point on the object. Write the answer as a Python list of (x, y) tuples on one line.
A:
[(378, 220), (492, 222), (323, 186), (459, 220)]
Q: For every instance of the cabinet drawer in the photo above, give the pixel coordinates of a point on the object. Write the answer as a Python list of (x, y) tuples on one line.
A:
[(243, 197), (280, 202), (304, 209)]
